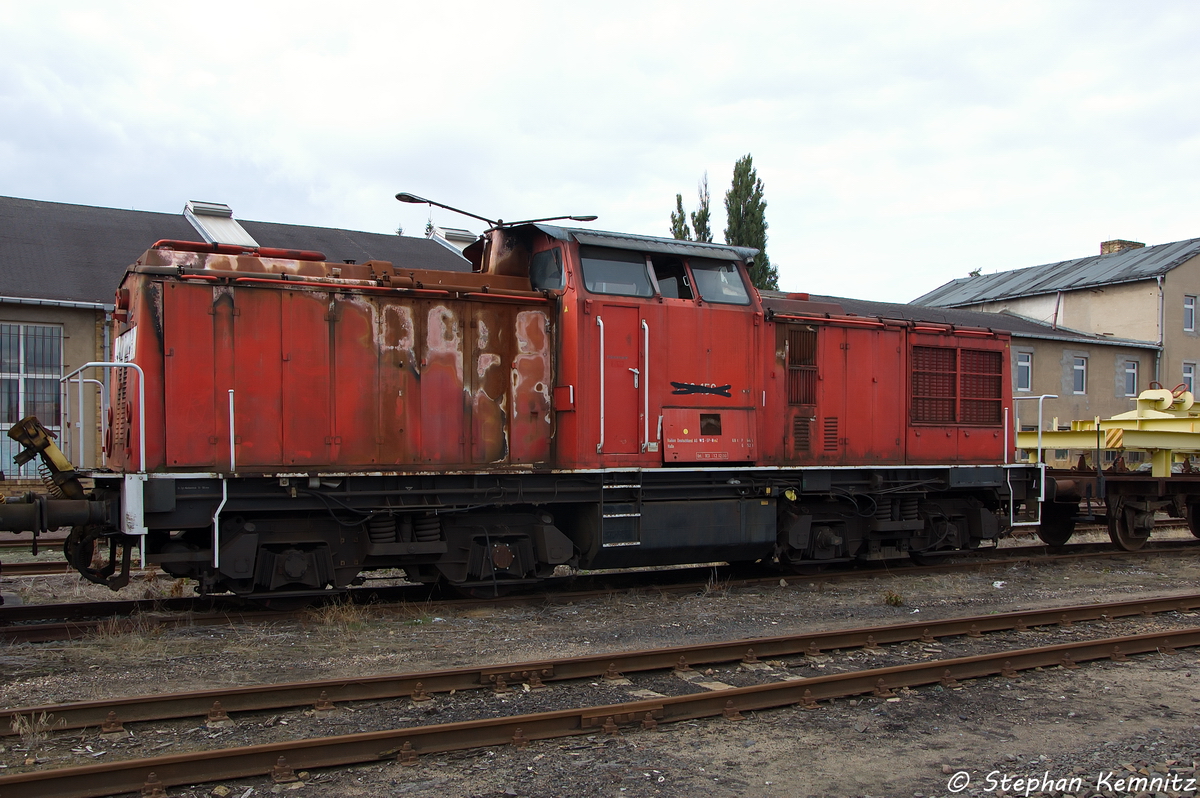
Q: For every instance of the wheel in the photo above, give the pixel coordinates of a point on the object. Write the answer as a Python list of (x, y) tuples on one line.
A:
[(1120, 530), (1193, 519), (1058, 523)]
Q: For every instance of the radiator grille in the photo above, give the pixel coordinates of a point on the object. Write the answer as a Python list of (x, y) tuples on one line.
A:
[(802, 365), (951, 385)]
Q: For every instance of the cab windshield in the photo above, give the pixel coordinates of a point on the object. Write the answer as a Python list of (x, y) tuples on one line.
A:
[(719, 282)]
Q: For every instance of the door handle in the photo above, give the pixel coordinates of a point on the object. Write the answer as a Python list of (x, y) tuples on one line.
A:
[(635, 377)]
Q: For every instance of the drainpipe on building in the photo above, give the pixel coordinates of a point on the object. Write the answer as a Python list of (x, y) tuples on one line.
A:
[(1161, 321), (1057, 305)]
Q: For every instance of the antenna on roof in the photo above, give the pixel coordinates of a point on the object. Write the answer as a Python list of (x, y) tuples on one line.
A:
[(404, 196)]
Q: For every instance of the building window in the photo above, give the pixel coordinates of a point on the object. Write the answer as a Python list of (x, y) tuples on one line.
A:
[(1189, 314), (1079, 378), (1024, 371), (30, 368), (1131, 378), (1189, 376)]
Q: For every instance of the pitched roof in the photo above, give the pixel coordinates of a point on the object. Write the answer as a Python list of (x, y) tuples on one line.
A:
[(1019, 326), (1126, 266), (78, 253)]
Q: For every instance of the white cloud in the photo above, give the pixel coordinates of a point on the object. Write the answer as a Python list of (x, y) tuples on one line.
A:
[(900, 145)]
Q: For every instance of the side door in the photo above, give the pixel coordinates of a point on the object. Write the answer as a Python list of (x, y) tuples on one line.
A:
[(620, 378)]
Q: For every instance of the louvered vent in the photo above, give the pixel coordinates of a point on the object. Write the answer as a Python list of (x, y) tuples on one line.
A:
[(801, 435), (831, 434)]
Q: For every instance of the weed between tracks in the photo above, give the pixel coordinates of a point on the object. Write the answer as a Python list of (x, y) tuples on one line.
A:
[(33, 729), (343, 616)]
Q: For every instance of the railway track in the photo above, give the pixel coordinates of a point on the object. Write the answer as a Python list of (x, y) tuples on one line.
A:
[(297, 694), (406, 744), (39, 623)]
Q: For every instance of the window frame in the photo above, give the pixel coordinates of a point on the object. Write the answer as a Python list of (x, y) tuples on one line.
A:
[(1027, 369), (1189, 379), (698, 287), (21, 375), (1189, 313), (1131, 369), (1079, 375), (589, 283)]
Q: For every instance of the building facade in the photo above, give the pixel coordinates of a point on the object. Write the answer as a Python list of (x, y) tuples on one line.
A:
[(1140, 301)]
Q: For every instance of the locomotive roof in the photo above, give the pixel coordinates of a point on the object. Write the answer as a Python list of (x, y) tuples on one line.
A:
[(1019, 326), (79, 253), (669, 246), (1125, 266)]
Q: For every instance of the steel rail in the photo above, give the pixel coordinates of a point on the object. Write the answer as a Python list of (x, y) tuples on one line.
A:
[(263, 697), (406, 744), (42, 568)]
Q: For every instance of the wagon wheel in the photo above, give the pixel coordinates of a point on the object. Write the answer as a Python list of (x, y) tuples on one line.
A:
[(1058, 523), (1193, 519), (1120, 530)]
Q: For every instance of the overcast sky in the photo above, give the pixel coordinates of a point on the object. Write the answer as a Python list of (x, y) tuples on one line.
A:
[(901, 144)]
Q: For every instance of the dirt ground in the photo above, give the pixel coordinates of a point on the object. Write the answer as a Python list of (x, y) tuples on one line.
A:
[(1100, 724)]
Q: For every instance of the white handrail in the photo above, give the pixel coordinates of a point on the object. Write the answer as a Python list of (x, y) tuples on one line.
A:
[(232, 437), (600, 445), (78, 438), (1040, 400), (645, 385), (216, 528), (141, 399)]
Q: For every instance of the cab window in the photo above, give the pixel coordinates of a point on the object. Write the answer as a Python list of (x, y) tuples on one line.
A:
[(672, 277), (546, 270), (615, 271), (719, 282)]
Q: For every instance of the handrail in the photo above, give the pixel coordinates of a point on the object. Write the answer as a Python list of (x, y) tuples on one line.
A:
[(645, 385), (1040, 400), (141, 399), (78, 438), (232, 438), (600, 445)]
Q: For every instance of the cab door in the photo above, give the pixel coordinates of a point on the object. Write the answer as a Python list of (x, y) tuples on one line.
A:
[(621, 378)]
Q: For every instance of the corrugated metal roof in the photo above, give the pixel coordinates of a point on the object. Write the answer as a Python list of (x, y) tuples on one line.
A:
[(1019, 326), (1130, 265), (669, 246), (78, 253)]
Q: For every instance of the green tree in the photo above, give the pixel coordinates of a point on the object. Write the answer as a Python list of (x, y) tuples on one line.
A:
[(746, 226), (679, 225), (702, 214)]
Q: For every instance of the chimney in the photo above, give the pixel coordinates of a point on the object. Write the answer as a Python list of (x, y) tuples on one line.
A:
[(1118, 245)]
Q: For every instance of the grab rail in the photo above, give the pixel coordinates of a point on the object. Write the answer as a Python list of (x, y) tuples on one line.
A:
[(600, 445)]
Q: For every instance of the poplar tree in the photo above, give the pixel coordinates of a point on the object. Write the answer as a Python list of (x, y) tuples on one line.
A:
[(745, 212), (702, 214), (679, 225)]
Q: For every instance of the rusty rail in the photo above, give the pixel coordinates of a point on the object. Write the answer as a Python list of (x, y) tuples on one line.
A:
[(407, 744), (390, 686)]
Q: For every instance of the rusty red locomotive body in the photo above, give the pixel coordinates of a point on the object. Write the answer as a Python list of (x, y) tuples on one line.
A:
[(580, 399)]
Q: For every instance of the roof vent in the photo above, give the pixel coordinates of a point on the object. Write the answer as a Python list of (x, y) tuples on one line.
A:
[(215, 222), (1118, 245), (453, 238)]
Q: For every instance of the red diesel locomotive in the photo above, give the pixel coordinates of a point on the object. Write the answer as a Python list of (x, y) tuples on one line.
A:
[(581, 399)]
